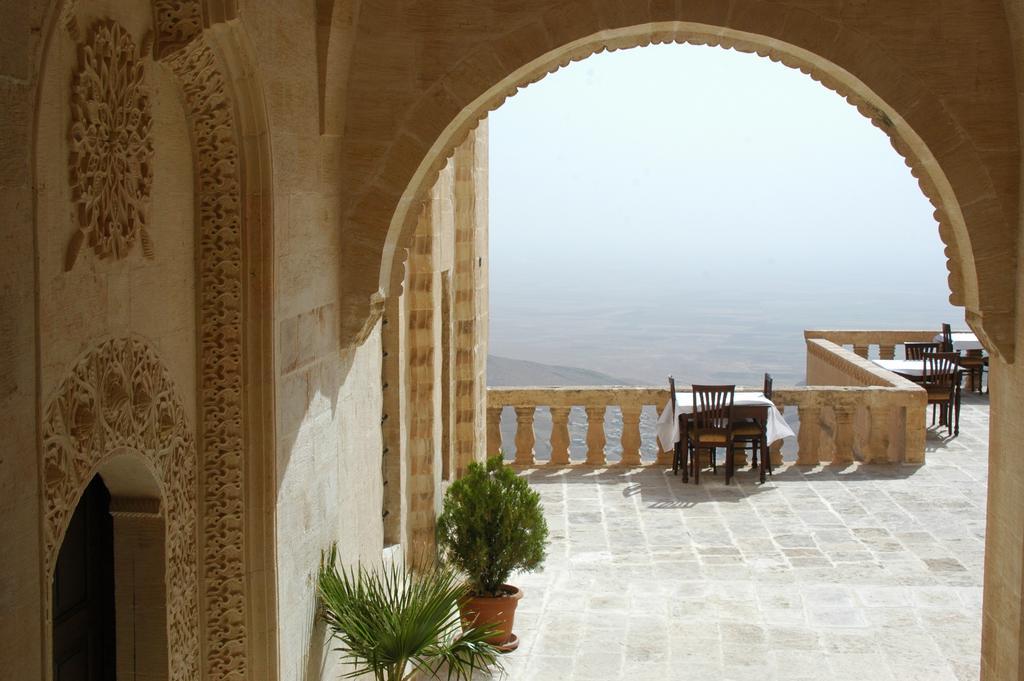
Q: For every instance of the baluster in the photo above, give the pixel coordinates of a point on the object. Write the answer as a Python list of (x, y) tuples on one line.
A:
[(525, 439), (844, 435), (493, 431), (595, 436), (887, 352), (630, 434), (809, 437), (878, 435), (861, 350), (560, 436)]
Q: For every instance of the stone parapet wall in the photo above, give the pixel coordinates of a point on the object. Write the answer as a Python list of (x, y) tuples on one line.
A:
[(862, 413)]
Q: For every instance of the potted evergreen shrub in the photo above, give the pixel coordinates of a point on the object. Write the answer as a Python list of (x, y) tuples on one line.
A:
[(492, 524), (398, 624)]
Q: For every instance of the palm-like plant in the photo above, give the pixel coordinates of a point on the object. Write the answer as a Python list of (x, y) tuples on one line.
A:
[(390, 619)]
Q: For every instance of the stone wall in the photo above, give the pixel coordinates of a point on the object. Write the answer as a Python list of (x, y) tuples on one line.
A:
[(1002, 645)]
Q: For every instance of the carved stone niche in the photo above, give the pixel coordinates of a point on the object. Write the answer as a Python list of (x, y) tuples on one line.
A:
[(111, 147), (117, 401)]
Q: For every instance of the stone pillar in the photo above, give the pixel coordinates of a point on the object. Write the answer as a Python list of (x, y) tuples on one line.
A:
[(140, 596), (493, 431), (1002, 624), (525, 438), (394, 332), (809, 437), (469, 299), (630, 434), (560, 436), (423, 412), (914, 436), (861, 350), (843, 452), (878, 436), (886, 351), (595, 436)]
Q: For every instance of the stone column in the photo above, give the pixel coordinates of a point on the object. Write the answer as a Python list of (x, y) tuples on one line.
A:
[(630, 434), (595, 436), (844, 435), (861, 350), (493, 431), (809, 437), (140, 597), (423, 412), (469, 299), (394, 332), (886, 351), (560, 436), (525, 438), (878, 437)]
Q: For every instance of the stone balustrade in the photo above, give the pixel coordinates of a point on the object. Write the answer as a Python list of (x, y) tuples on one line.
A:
[(850, 410), (862, 340)]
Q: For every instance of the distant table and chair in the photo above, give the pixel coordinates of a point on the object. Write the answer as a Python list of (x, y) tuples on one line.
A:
[(939, 368), (713, 417)]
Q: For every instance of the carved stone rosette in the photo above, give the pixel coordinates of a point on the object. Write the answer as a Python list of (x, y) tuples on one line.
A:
[(111, 149), (119, 397)]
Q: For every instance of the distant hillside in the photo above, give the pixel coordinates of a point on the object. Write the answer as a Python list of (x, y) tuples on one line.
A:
[(505, 372)]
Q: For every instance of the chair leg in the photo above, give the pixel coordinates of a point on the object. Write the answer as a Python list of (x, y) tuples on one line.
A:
[(956, 420), (676, 456)]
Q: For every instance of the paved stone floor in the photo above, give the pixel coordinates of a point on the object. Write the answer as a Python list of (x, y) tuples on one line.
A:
[(862, 573)]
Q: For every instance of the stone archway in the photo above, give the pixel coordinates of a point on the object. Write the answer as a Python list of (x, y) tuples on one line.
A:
[(974, 189), (119, 396)]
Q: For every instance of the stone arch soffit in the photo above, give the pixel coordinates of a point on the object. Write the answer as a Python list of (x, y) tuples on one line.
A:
[(118, 400), (995, 328)]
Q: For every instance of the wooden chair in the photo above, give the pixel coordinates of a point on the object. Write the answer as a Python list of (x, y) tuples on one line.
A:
[(947, 338), (974, 362), (942, 382), (750, 432), (918, 350), (711, 427), (679, 450)]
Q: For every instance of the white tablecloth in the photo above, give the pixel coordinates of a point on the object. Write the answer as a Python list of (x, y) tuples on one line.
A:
[(907, 367), (668, 425), (962, 340)]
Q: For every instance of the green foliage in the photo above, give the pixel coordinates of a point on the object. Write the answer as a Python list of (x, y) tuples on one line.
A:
[(389, 619), (492, 525)]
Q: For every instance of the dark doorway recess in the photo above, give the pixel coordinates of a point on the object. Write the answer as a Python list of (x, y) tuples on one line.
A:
[(83, 592)]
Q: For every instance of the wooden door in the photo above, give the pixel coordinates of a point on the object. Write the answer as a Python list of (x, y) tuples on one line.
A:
[(83, 592)]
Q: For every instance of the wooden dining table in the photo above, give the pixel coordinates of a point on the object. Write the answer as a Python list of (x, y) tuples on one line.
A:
[(746, 404), (913, 370)]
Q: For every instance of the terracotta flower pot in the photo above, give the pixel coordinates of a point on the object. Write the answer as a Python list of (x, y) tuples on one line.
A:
[(500, 611)]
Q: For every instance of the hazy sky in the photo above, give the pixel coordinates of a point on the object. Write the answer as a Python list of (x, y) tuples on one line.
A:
[(674, 182)]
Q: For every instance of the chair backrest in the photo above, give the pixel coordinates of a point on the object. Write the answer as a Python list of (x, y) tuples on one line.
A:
[(712, 407), (672, 392), (768, 381), (918, 350), (941, 368), (947, 338)]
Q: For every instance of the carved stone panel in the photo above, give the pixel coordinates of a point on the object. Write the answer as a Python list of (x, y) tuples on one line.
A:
[(120, 398), (111, 149)]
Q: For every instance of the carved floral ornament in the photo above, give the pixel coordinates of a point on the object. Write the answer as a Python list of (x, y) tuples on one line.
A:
[(119, 397), (111, 148)]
